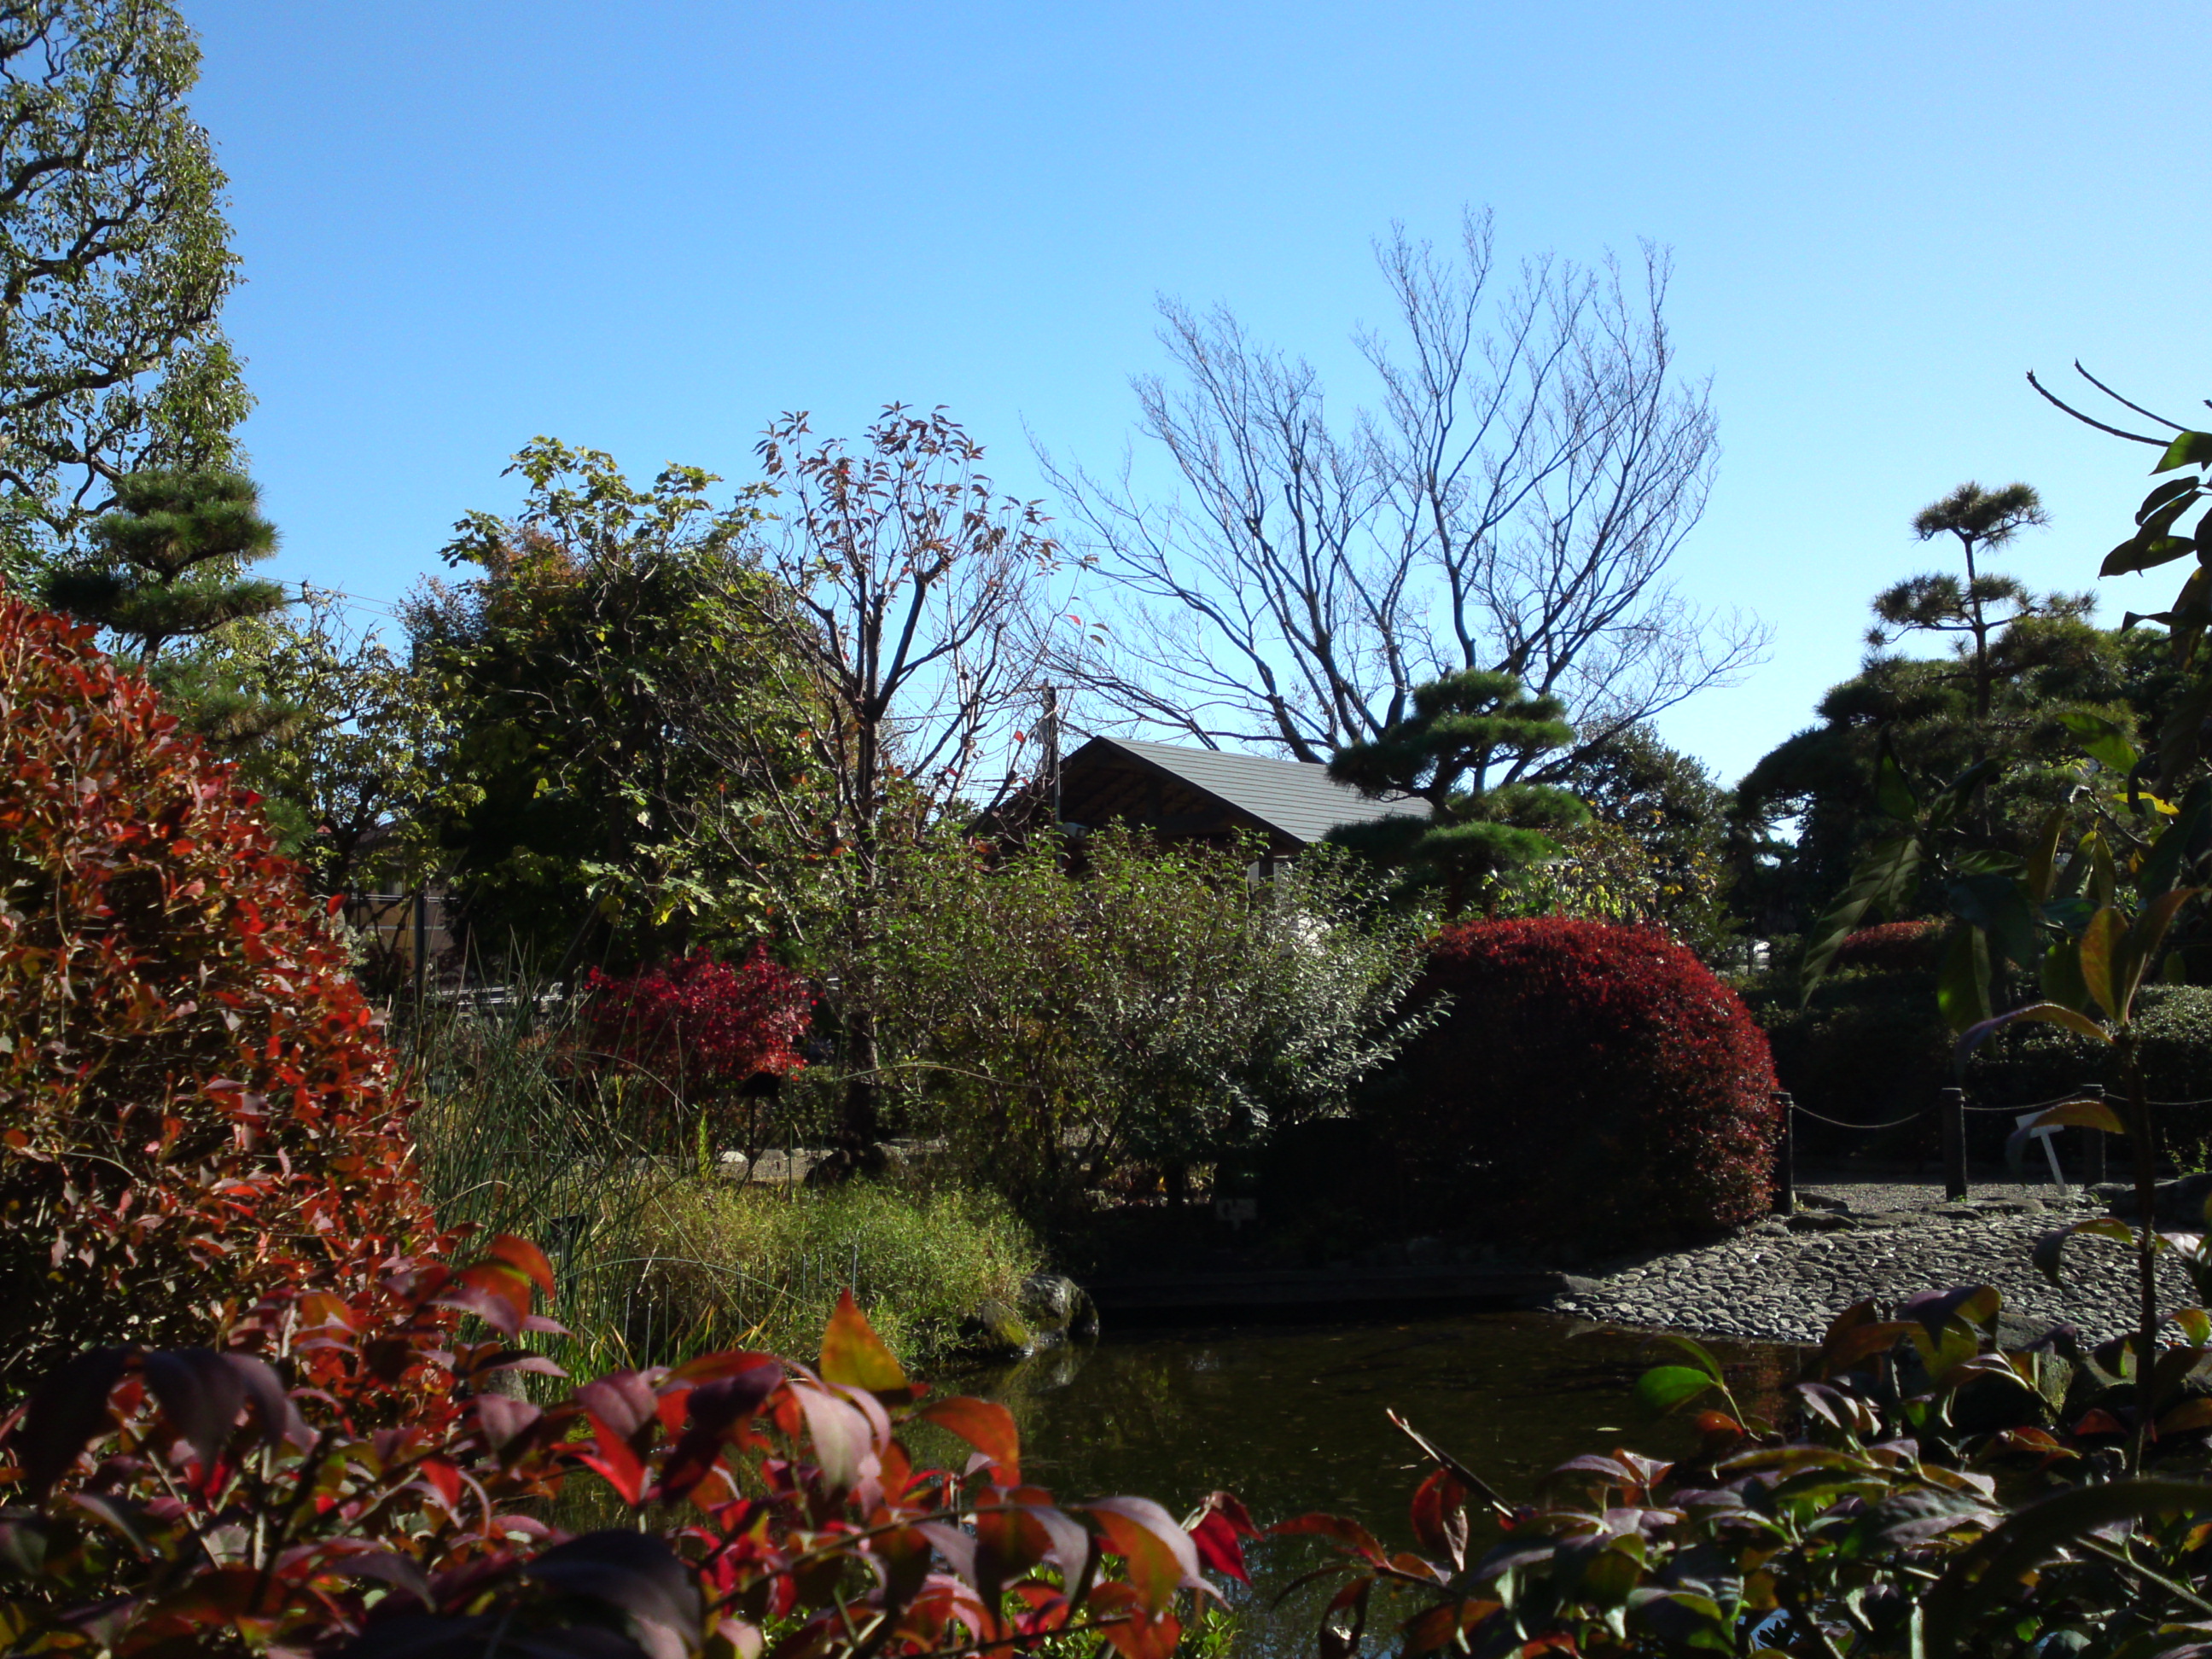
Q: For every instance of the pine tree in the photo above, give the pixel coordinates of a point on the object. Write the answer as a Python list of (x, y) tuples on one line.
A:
[(168, 564), (1463, 728), (1980, 611)]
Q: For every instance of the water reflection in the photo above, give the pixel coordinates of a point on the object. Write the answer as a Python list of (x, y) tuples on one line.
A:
[(1291, 1419)]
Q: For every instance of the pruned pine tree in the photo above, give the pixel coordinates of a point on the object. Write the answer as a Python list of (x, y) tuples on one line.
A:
[(168, 565), (1464, 730)]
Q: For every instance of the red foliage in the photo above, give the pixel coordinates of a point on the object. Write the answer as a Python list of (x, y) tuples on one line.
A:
[(268, 1497), (700, 1024), (1590, 1080), (1895, 947), (195, 1107)]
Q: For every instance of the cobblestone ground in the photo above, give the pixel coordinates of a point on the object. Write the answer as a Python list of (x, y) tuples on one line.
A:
[(1784, 1280)]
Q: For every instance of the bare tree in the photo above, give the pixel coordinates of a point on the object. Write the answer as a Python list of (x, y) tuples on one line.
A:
[(1511, 505), (903, 599)]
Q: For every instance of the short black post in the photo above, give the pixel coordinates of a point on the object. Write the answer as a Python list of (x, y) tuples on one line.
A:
[(2093, 1154), (1785, 1157), (1953, 1114)]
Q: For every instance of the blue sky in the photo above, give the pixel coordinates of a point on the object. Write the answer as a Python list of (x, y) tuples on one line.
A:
[(651, 228)]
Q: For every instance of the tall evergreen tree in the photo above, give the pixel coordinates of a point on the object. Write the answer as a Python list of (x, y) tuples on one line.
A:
[(1463, 728), (114, 264)]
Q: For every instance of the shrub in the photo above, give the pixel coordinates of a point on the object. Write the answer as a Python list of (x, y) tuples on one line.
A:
[(195, 1106), (691, 1031), (1871, 1049), (268, 1497), (706, 1022), (1152, 1007), (1588, 1080), (1868, 1049), (1894, 947)]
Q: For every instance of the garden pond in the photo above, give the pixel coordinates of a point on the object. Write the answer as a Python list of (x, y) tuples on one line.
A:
[(1291, 1419)]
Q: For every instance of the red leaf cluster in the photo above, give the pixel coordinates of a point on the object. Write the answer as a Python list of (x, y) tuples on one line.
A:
[(1894, 947), (1589, 1079), (195, 1107), (699, 1024), (350, 1476)]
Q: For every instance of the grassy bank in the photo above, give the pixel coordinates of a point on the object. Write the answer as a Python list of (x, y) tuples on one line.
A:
[(656, 1260)]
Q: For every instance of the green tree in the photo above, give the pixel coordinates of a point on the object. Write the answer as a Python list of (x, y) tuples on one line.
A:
[(168, 567), (114, 264), (1476, 834), (580, 806), (1983, 607), (2023, 671), (349, 780), (168, 562), (1655, 849)]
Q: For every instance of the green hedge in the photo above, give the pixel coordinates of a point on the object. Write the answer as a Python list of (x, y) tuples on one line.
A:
[(1871, 1047)]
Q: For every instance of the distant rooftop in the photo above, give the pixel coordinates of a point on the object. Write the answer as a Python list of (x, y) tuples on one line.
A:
[(1186, 791)]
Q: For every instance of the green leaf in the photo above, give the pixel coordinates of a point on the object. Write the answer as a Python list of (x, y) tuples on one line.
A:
[(2081, 1114), (1884, 878), (2146, 936), (1962, 986), (2165, 493), (2043, 1013), (2104, 741), (1892, 791), (2062, 975), (2043, 862), (2179, 739), (2100, 948), (1697, 1351), (2189, 449), (1984, 1577), (1665, 1387), (2104, 874), (1998, 906), (2145, 553)]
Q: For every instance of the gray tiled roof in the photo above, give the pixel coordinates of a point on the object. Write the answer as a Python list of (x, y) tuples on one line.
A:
[(1300, 799)]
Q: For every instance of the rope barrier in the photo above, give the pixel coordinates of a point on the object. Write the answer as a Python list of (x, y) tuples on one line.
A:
[(2031, 1105), (1804, 1111), (2171, 1103)]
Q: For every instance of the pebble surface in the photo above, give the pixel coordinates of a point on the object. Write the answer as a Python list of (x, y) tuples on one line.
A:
[(1786, 1278)]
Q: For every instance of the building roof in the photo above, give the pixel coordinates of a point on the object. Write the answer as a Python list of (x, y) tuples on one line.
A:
[(1296, 800)]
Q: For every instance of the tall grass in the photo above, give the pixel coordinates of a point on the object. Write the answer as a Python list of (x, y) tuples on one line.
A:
[(756, 1267), (659, 1255)]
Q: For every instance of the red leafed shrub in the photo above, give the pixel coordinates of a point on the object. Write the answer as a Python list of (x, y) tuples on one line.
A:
[(264, 1498), (1590, 1081), (195, 1106), (1894, 947), (700, 1026)]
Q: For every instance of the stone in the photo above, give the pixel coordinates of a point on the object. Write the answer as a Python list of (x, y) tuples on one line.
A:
[(1057, 1310), (2180, 1204), (1821, 1221), (996, 1331)]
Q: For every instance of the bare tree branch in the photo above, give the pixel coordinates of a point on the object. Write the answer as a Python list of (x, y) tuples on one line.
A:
[(1514, 503)]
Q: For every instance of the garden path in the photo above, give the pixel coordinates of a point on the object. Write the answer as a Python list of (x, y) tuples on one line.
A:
[(1784, 1279)]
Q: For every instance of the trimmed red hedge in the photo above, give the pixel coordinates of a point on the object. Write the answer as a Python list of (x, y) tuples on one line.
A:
[(196, 1109), (1894, 947), (1591, 1081)]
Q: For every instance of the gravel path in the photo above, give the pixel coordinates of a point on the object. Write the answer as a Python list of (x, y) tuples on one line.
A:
[(1784, 1280)]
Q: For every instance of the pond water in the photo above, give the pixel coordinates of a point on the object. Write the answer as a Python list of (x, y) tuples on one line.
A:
[(1291, 1419)]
